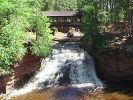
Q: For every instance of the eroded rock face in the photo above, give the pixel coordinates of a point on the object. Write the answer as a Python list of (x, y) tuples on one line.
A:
[(28, 66), (115, 67)]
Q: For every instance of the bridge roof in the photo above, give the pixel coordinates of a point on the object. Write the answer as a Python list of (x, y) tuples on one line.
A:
[(61, 13)]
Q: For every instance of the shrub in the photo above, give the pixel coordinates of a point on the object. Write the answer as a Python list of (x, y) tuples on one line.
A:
[(92, 27)]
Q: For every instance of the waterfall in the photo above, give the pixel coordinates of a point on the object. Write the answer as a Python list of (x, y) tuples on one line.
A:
[(67, 65)]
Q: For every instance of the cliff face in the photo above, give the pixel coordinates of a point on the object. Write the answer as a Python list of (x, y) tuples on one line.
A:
[(29, 65), (114, 67)]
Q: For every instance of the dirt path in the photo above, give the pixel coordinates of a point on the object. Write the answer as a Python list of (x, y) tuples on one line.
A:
[(60, 37)]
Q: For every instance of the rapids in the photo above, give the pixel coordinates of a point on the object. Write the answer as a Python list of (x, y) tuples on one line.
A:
[(67, 65)]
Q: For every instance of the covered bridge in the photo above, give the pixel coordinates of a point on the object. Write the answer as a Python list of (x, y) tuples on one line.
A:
[(63, 19)]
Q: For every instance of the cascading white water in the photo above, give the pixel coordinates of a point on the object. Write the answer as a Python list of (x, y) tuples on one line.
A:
[(67, 65)]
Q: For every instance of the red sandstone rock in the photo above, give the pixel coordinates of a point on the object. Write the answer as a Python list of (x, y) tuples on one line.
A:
[(114, 67), (30, 64)]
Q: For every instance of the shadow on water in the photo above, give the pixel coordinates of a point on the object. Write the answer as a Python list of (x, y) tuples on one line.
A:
[(63, 93), (123, 87), (68, 93), (54, 93)]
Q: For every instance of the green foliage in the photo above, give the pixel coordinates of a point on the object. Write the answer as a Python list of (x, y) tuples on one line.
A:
[(60, 5), (12, 23), (92, 26), (42, 46), (97, 15), (11, 46), (66, 5), (16, 16)]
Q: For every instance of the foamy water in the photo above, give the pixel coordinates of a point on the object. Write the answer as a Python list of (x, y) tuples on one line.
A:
[(65, 62)]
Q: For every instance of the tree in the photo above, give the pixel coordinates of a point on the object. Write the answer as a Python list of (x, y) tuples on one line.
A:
[(16, 16), (60, 5)]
